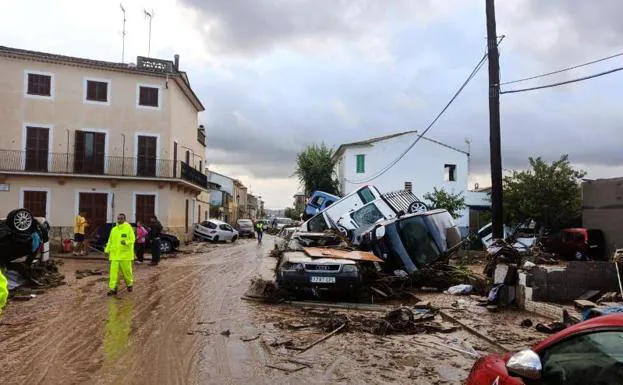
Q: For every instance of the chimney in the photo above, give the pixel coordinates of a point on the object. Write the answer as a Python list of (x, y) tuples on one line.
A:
[(408, 187), (176, 62)]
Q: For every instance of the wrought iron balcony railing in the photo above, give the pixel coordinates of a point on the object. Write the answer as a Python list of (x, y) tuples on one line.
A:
[(74, 164)]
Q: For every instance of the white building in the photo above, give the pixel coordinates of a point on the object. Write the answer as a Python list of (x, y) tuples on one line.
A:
[(427, 165)]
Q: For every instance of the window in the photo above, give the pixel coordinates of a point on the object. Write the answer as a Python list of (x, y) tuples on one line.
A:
[(89, 152), (317, 224), (367, 215), (97, 91), (450, 172), (209, 225), (225, 227), (366, 195), (37, 148), (39, 84), (361, 164), (148, 96), (146, 155), (36, 202), (594, 358)]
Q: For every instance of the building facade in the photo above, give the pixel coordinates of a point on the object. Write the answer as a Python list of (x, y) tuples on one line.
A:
[(602, 209), (427, 165), (100, 137), (221, 198)]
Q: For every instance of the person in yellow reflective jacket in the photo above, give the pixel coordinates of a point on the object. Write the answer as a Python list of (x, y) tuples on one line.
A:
[(4, 291), (120, 250)]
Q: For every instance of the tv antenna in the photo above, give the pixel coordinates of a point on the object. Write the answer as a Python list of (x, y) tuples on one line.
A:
[(123, 34), (150, 15)]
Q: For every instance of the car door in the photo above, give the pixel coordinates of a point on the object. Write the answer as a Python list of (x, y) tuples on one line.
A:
[(594, 358), (226, 232)]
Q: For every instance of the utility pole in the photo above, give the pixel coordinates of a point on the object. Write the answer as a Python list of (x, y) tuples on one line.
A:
[(494, 123), (150, 15), (123, 35)]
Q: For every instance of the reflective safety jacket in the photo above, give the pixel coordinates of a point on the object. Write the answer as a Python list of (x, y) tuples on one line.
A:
[(120, 246), (4, 291)]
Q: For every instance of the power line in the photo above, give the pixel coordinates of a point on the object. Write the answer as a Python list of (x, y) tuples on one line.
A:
[(456, 94), (563, 83), (563, 69)]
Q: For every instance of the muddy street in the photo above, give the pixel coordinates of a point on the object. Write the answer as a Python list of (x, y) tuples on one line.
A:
[(185, 323)]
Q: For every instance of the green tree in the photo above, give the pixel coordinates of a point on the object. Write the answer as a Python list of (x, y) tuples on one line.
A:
[(548, 193), (441, 199), (315, 169), (292, 213)]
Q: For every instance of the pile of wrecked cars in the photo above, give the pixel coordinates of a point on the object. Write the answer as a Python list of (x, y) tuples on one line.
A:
[(23, 235), (347, 246)]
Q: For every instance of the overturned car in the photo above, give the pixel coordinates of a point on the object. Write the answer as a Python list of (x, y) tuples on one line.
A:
[(23, 235)]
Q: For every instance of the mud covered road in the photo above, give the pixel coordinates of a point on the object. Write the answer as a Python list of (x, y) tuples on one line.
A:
[(186, 324)]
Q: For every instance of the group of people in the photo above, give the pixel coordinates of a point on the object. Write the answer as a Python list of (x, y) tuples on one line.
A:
[(124, 247)]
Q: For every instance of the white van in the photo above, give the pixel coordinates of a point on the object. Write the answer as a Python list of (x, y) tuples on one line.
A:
[(362, 208)]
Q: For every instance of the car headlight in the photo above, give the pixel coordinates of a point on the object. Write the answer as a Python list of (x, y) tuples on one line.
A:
[(293, 266), (350, 269)]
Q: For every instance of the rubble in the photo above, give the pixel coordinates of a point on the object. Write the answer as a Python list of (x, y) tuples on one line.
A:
[(88, 272), (40, 275)]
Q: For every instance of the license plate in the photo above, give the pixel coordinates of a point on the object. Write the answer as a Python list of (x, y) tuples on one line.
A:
[(322, 279)]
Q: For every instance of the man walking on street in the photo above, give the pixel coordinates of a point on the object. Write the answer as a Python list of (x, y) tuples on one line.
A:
[(259, 229), (4, 291), (155, 230), (120, 250), (80, 225)]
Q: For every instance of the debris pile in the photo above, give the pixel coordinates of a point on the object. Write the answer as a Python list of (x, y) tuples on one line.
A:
[(263, 289)]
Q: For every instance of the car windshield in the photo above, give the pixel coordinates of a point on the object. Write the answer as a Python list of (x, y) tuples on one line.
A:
[(418, 241), (367, 215), (284, 221), (317, 224), (245, 222)]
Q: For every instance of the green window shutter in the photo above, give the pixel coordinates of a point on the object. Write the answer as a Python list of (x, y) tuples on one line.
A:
[(361, 164)]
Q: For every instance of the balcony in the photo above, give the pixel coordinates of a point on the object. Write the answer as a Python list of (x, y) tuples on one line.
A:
[(23, 162)]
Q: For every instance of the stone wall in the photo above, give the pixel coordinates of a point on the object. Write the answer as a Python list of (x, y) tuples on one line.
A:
[(563, 284)]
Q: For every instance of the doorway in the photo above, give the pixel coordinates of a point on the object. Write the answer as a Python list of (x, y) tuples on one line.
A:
[(96, 207)]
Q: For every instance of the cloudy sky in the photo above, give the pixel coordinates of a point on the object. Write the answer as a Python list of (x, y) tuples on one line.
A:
[(277, 75)]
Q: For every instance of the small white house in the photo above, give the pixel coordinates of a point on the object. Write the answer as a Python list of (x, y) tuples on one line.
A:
[(427, 165)]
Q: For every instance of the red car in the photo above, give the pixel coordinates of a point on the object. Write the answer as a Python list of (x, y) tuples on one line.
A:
[(589, 353)]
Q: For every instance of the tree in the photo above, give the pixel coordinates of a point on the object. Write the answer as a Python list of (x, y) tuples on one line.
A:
[(315, 169), (292, 213), (441, 199), (548, 193)]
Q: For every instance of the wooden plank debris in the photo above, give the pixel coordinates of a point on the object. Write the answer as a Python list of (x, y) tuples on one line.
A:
[(355, 255), (583, 304)]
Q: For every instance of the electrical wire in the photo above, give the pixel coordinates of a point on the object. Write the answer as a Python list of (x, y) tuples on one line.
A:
[(563, 69), (563, 83), (456, 94)]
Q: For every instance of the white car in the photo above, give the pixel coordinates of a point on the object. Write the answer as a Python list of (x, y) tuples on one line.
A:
[(283, 237), (214, 230)]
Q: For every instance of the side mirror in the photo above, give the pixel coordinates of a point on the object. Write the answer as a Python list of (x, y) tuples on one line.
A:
[(526, 364), (379, 232)]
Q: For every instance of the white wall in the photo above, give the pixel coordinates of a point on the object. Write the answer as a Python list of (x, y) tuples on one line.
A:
[(423, 166), (227, 184)]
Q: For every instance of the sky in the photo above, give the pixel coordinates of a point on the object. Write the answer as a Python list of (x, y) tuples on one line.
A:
[(278, 75)]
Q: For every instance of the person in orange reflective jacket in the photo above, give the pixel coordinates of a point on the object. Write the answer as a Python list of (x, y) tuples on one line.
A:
[(4, 291), (120, 250)]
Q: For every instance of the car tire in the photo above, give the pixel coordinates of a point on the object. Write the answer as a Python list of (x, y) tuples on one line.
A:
[(165, 246), (234, 238), (215, 239), (417, 207), (21, 221)]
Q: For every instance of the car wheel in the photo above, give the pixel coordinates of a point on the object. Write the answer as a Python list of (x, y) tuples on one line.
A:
[(21, 220), (343, 231), (215, 239), (234, 238), (165, 246), (417, 207)]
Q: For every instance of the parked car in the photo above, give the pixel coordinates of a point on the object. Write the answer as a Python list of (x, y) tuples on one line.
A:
[(588, 353), (363, 208), (245, 228), (319, 201), (283, 236), (577, 242), (16, 236), (215, 231), (168, 242), (412, 241)]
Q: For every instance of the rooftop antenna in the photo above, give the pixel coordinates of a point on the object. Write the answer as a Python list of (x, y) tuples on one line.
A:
[(150, 15), (123, 35)]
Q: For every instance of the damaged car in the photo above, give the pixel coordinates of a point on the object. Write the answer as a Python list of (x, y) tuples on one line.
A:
[(412, 241), (314, 262), (23, 235)]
